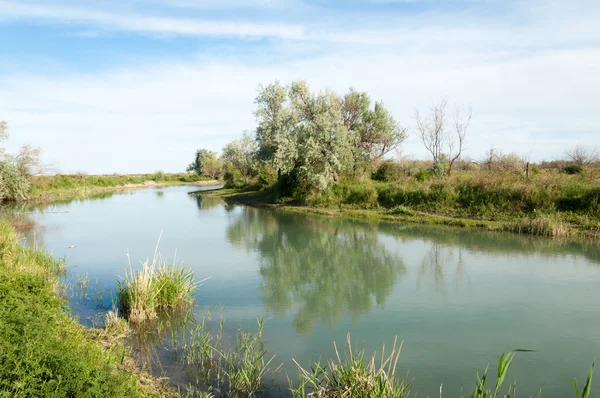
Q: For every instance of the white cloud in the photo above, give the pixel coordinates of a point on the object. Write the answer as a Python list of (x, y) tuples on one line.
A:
[(531, 85), (147, 24)]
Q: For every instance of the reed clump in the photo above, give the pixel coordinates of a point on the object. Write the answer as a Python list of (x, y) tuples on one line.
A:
[(354, 375), (157, 286)]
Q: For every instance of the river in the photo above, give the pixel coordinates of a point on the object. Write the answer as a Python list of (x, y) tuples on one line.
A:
[(457, 298)]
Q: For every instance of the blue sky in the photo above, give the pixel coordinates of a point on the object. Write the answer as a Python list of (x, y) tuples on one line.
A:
[(137, 85)]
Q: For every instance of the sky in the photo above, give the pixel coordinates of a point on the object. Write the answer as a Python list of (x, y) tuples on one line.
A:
[(131, 86)]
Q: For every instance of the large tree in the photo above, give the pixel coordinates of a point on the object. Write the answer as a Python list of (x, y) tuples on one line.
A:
[(324, 143), (376, 131), (275, 130), (318, 137)]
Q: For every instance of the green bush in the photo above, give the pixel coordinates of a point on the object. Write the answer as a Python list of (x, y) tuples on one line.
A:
[(158, 176), (388, 170), (573, 169), (359, 194), (423, 175), (13, 185)]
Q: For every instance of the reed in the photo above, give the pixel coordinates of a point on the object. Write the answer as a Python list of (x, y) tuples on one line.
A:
[(157, 286), (353, 375)]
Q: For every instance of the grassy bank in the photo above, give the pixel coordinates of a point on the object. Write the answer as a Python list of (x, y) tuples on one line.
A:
[(549, 204), (44, 352), (76, 185)]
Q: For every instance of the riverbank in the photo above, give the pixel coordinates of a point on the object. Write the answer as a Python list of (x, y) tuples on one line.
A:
[(555, 225), (49, 188), (43, 351)]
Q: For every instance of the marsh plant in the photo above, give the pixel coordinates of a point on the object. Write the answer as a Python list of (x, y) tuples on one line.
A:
[(353, 375), (223, 366), (157, 286)]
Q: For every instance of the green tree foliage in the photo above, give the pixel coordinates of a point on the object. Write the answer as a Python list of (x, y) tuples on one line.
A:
[(275, 133), (13, 172), (316, 138), (240, 157), (207, 164), (376, 131), (14, 186)]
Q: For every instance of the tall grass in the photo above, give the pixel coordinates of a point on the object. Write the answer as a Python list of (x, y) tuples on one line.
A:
[(353, 375), (223, 367), (157, 286), (44, 352)]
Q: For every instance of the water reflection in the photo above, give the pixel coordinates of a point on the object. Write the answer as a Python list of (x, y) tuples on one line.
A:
[(315, 268), (437, 262), (206, 202)]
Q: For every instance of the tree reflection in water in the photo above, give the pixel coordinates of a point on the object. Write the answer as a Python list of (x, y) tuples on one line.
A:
[(320, 269)]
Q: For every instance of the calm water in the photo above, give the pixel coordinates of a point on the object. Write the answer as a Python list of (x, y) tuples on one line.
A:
[(457, 298)]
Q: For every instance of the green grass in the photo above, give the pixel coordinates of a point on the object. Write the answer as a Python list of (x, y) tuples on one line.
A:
[(548, 204), (44, 352), (353, 375), (157, 286)]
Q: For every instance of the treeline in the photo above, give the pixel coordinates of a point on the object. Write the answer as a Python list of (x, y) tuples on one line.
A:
[(308, 142)]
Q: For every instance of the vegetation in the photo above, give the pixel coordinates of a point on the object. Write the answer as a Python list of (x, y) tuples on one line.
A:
[(220, 367), (354, 376), (330, 152), (43, 352), (207, 164), (67, 186), (157, 286)]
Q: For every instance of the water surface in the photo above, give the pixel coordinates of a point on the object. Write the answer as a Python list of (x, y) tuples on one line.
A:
[(457, 298)]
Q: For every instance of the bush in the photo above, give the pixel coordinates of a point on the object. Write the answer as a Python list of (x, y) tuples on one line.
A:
[(423, 175), (13, 185), (572, 169), (360, 194), (439, 168), (388, 170), (158, 176)]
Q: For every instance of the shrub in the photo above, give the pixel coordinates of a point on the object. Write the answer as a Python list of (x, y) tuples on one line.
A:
[(423, 175), (388, 170), (13, 185), (439, 168), (572, 169), (361, 194), (158, 176)]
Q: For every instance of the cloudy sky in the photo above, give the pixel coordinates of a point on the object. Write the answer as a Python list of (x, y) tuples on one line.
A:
[(137, 85)]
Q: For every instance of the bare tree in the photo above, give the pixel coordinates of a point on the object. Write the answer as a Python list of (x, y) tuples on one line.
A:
[(435, 136), (456, 145), (431, 130), (29, 162), (582, 156)]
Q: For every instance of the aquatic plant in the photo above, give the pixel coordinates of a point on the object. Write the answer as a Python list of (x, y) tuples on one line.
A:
[(43, 351), (158, 285), (354, 375)]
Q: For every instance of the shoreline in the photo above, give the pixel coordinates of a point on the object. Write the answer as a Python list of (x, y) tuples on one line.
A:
[(543, 227), (39, 333), (68, 193)]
